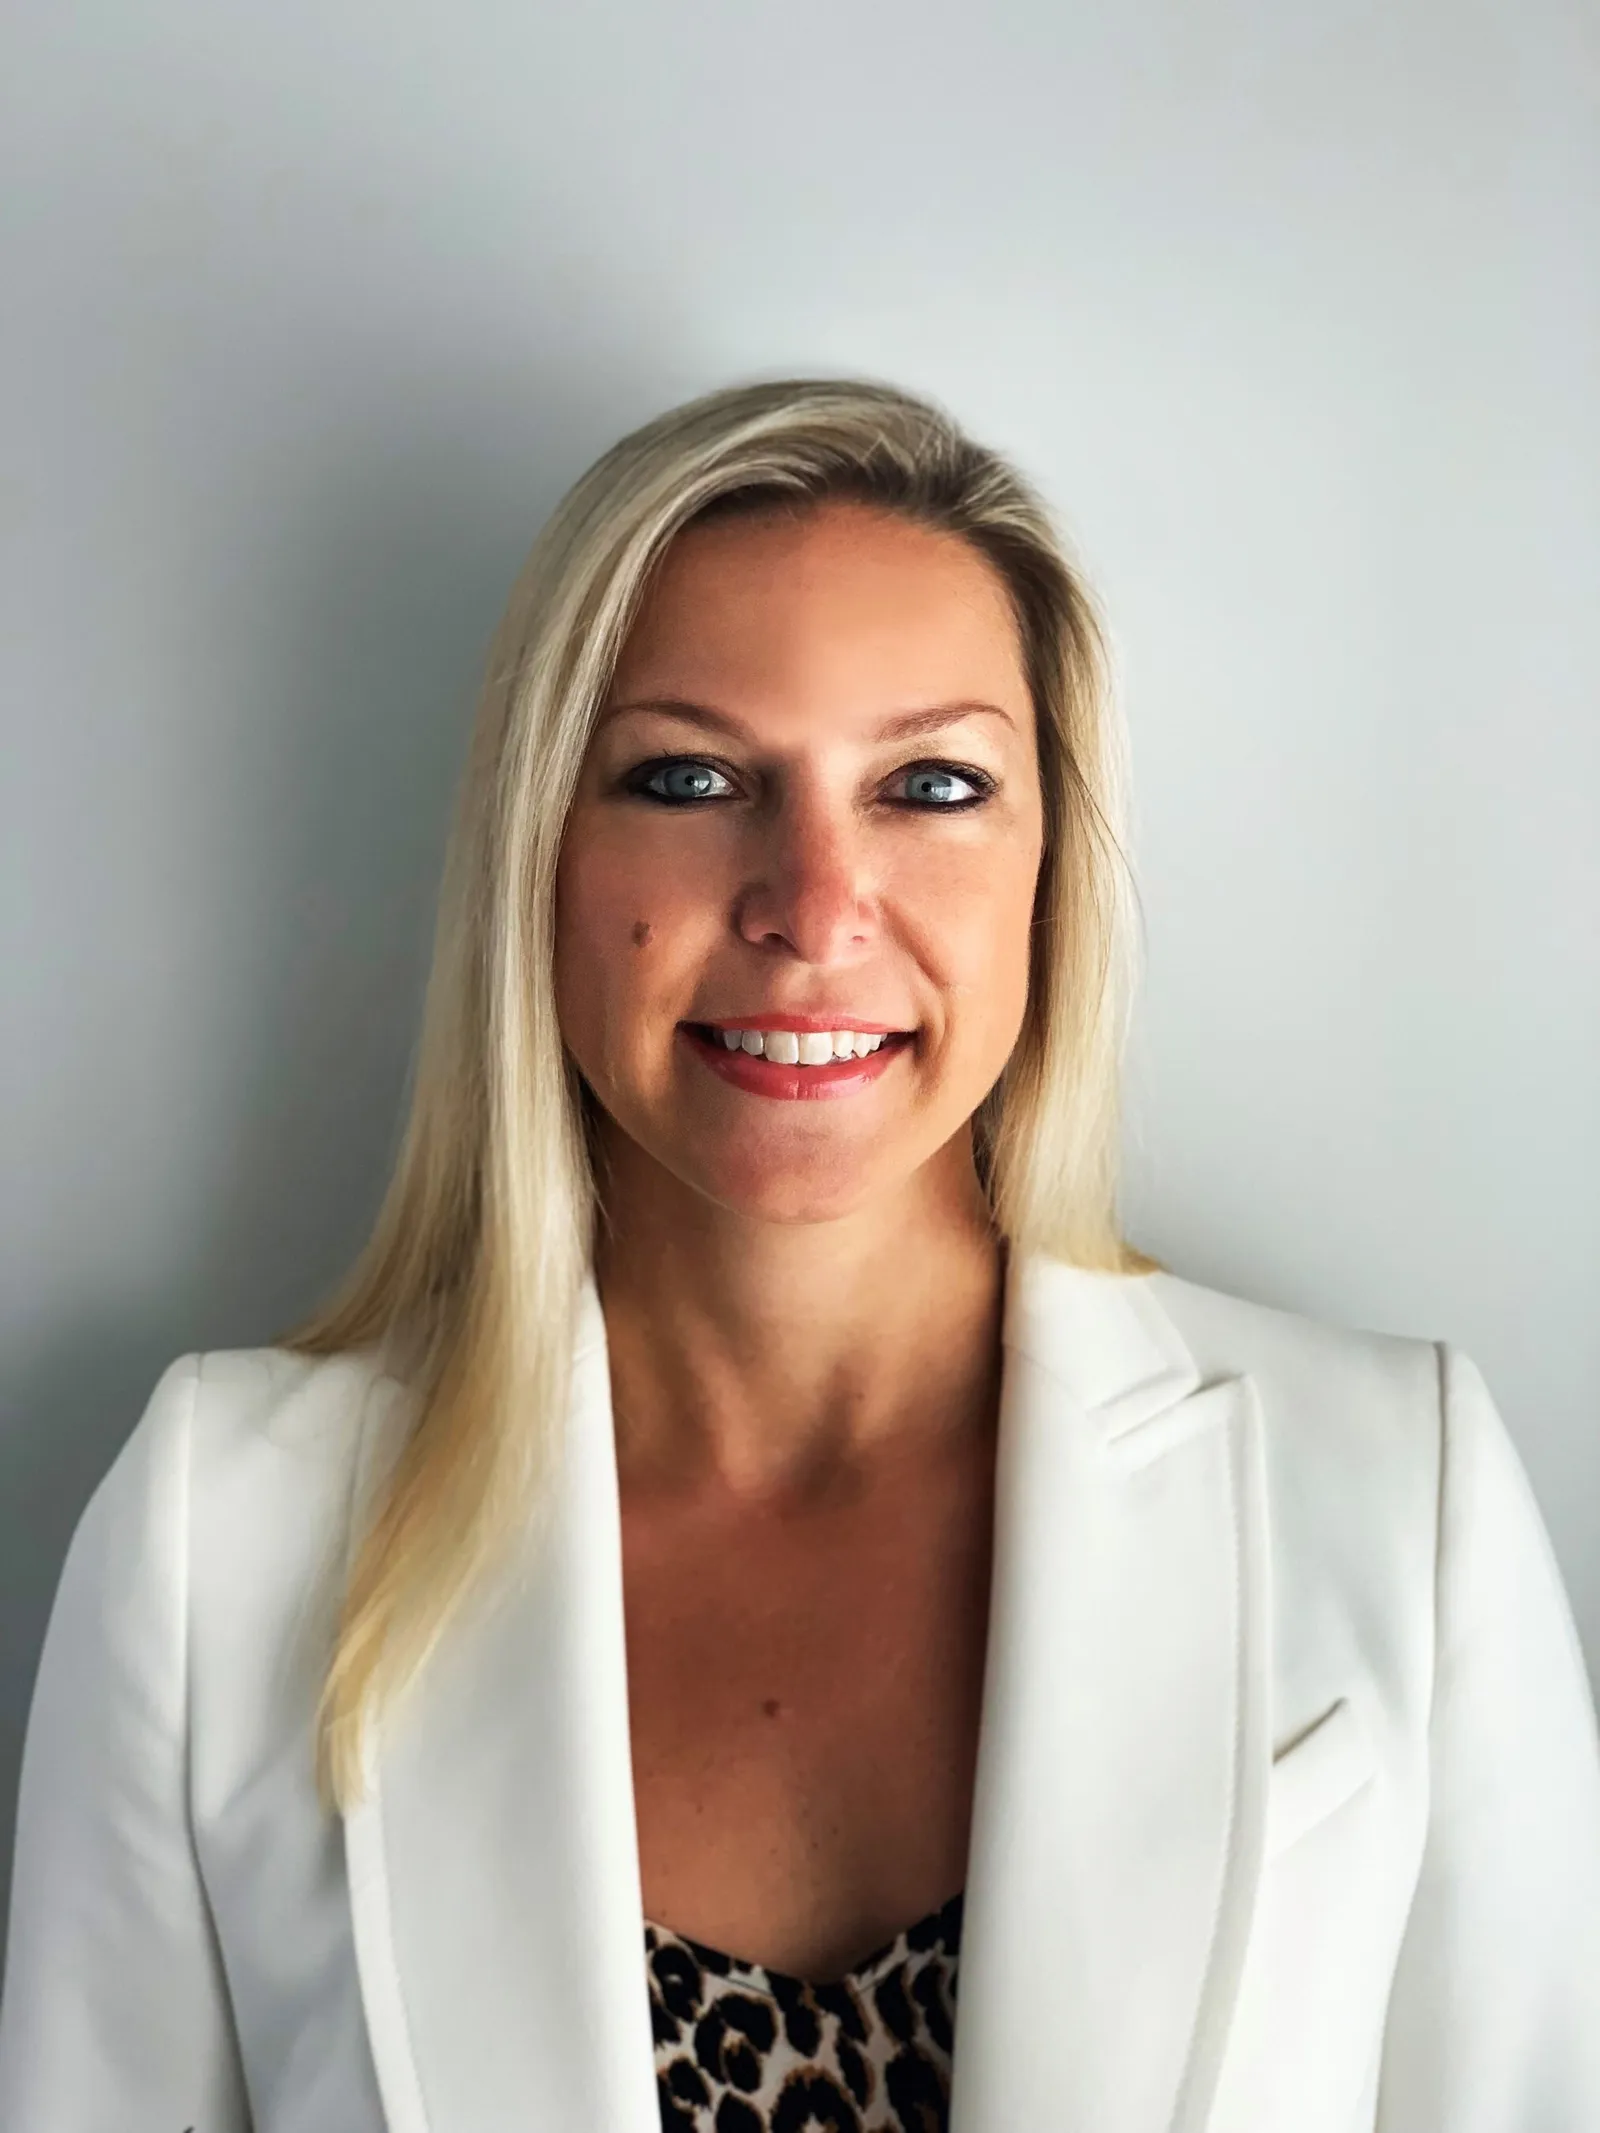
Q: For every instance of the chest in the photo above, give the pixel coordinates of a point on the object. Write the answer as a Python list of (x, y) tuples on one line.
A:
[(804, 1696)]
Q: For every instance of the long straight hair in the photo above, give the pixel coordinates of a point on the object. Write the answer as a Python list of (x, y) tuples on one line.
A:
[(469, 1284)]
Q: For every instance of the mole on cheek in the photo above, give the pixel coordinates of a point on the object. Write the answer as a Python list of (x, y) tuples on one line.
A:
[(771, 1706), (641, 932)]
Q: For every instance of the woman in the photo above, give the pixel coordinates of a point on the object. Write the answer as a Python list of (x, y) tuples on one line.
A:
[(751, 1552)]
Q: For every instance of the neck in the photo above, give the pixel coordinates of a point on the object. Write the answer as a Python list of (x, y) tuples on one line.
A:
[(774, 1358)]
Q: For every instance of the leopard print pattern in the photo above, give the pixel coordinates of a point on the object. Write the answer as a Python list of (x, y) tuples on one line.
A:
[(743, 2049)]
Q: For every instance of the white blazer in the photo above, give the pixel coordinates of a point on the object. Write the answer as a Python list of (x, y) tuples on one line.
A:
[(1287, 1815)]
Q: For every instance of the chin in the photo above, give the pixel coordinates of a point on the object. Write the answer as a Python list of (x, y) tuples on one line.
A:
[(798, 1192)]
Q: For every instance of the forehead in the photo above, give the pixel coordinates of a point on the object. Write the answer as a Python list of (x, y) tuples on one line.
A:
[(781, 598)]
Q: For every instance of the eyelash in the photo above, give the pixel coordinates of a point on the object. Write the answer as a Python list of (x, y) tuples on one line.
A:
[(968, 772)]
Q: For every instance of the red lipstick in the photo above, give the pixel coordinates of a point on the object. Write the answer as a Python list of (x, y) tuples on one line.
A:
[(758, 1076)]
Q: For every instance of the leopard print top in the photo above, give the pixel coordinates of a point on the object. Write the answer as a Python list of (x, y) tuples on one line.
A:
[(744, 2049)]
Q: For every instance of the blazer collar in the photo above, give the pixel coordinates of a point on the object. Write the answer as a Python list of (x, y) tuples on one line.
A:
[(1120, 1790)]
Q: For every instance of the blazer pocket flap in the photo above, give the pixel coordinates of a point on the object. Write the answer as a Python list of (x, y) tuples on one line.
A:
[(1319, 1770)]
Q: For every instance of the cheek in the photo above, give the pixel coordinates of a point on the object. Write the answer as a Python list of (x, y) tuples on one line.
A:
[(609, 900), (622, 922), (592, 918), (978, 915)]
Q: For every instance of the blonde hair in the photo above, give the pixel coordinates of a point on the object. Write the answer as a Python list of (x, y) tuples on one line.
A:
[(469, 1283)]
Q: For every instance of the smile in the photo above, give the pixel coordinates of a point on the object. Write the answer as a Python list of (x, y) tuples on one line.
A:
[(795, 1064), (798, 1047)]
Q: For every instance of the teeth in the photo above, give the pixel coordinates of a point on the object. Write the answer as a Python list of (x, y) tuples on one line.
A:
[(788, 1047)]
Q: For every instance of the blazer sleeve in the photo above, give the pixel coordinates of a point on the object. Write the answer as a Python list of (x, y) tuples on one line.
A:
[(1494, 2017), (115, 2011)]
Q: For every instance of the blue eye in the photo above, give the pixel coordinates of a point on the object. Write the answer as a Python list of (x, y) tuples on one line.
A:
[(936, 778), (687, 781), (690, 771)]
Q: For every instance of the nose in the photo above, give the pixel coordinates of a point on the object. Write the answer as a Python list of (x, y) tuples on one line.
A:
[(810, 885)]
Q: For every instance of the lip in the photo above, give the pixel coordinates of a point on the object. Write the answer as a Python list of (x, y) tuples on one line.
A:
[(842, 1020), (765, 1077)]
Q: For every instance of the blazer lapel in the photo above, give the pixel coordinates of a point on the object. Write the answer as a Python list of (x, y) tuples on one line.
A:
[(494, 1866), (1122, 1764), (1124, 1748)]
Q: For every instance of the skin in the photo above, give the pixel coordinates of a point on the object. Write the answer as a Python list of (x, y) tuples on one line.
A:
[(803, 1299)]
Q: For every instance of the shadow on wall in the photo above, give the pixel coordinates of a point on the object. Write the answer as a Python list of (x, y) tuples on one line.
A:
[(350, 704)]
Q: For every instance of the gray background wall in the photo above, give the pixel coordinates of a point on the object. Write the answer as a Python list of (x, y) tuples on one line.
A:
[(314, 308)]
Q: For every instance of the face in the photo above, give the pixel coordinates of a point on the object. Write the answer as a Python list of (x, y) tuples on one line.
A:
[(811, 804)]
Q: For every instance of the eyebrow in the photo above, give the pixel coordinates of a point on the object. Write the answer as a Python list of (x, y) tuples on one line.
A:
[(902, 726)]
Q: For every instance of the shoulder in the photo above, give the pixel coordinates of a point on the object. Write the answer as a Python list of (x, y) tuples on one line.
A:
[(1228, 1333), (275, 1409), (1370, 1433), (218, 1409), (204, 1573), (236, 1454), (1343, 1407)]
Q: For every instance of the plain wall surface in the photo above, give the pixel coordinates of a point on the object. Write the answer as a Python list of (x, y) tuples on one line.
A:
[(313, 310)]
